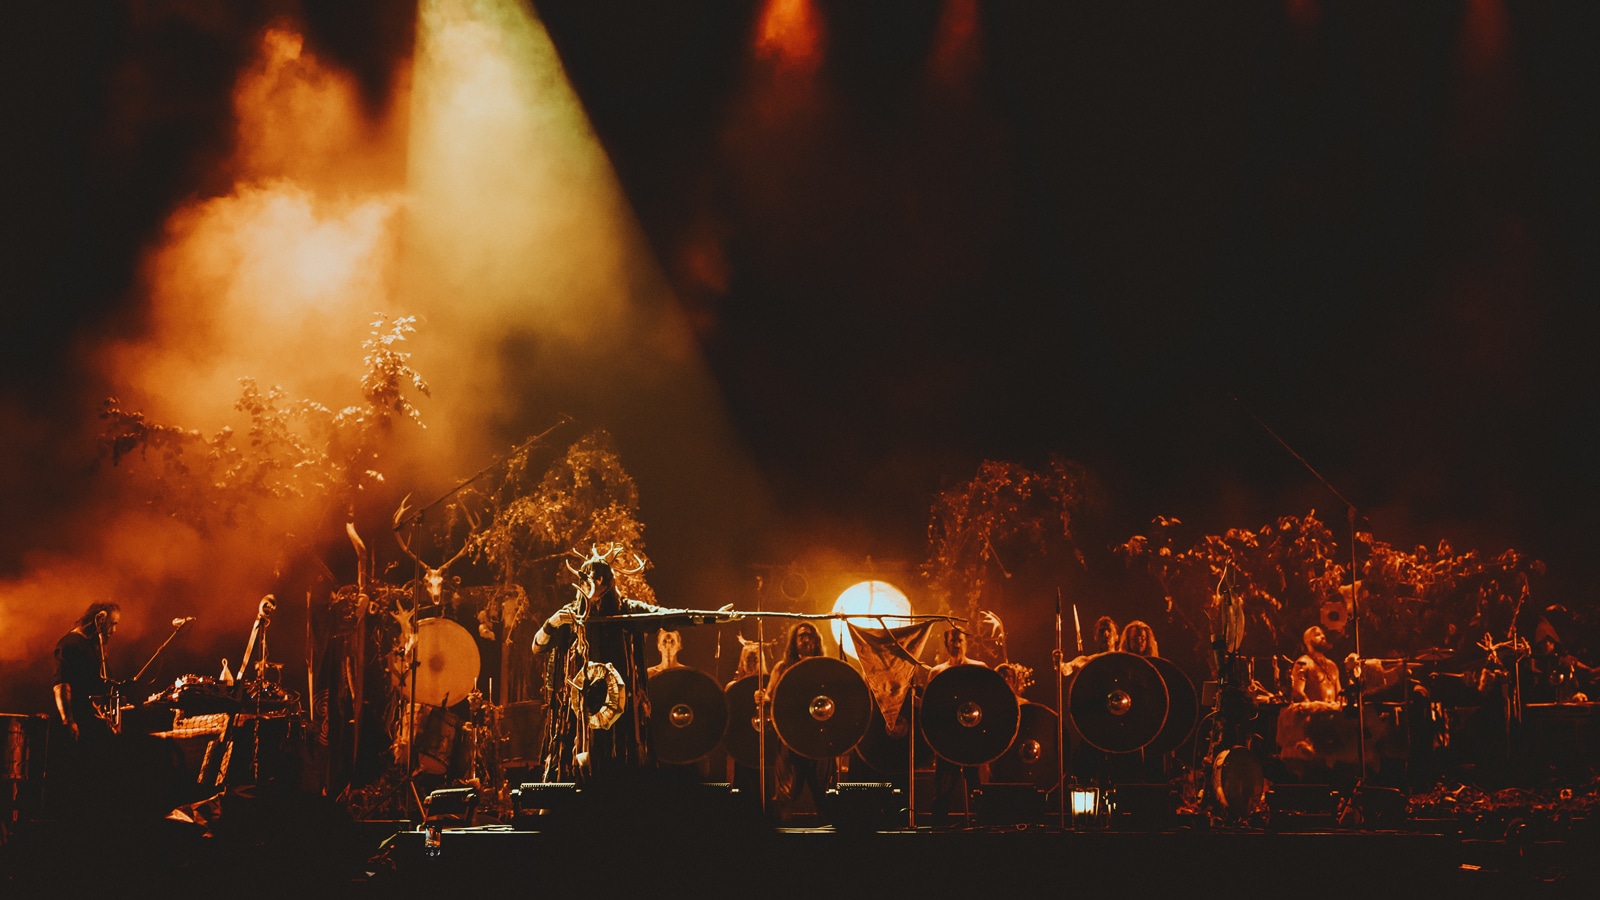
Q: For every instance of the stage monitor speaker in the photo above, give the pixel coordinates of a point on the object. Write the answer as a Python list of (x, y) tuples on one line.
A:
[(858, 806), (541, 798), (451, 805)]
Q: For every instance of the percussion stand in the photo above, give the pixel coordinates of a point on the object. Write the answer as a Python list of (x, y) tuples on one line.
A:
[(761, 708), (911, 760), (1061, 718)]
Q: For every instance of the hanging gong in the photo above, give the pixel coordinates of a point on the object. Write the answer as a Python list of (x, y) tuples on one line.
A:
[(688, 715), (1183, 707), (969, 714), (821, 707), (1118, 702), (742, 741), (1031, 758)]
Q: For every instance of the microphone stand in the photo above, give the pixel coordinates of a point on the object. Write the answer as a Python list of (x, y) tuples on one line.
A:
[(158, 651), (1355, 594)]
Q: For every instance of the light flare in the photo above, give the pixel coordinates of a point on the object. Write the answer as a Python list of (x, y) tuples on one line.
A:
[(874, 598)]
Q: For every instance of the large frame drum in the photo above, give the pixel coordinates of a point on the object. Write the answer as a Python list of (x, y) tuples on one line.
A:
[(688, 715), (969, 715), (821, 707), (1118, 701)]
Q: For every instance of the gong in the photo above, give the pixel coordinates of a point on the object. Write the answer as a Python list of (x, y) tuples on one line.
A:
[(742, 740), (821, 707), (1032, 757), (969, 714), (1183, 707), (688, 715), (447, 662), (1118, 702)]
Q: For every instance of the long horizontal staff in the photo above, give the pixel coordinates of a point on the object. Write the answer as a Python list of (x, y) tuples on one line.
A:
[(707, 616)]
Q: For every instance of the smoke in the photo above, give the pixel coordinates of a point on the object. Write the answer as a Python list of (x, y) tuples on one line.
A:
[(479, 200)]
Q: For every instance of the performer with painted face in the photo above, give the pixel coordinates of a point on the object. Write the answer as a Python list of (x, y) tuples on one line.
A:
[(596, 712)]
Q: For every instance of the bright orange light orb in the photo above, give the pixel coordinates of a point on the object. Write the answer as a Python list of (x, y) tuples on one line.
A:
[(876, 598)]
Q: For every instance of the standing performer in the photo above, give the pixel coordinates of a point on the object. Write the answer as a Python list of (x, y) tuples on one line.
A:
[(795, 771), (613, 731), (1106, 640), (81, 671), (948, 776), (1139, 639), (668, 643)]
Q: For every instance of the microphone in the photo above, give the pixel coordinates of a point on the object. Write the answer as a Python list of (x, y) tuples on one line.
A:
[(182, 621)]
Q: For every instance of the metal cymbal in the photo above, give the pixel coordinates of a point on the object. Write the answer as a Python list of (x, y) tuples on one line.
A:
[(741, 740), (1118, 702), (1032, 757), (969, 714), (688, 715), (447, 662), (821, 707), (1183, 707)]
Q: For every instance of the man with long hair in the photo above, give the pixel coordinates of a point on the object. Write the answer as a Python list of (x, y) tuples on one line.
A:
[(796, 772), (80, 672)]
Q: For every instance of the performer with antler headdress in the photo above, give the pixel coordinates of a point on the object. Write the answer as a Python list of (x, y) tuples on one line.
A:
[(596, 712)]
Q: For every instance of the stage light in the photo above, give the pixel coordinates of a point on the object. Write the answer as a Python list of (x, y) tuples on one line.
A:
[(874, 598), (1085, 806)]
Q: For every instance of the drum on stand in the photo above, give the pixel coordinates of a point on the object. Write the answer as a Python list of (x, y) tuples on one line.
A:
[(438, 732), (1118, 701), (742, 740), (1032, 757), (821, 707), (969, 715), (688, 715), (447, 662), (889, 755), (1237, 782), (1183, 708)]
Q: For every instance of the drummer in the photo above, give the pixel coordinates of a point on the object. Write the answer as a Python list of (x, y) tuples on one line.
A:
[(668, 643), (1315, 678), (795, 771), (948, 776), (1106, 639), (1139, 639)]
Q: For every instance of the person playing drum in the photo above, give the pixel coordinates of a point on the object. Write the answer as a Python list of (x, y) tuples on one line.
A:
[(948, 776)]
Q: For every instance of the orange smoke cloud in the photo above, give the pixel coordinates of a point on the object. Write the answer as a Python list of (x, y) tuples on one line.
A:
[(276, 280)]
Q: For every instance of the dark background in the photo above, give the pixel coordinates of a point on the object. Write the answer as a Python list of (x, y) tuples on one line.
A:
[(1371, 224)]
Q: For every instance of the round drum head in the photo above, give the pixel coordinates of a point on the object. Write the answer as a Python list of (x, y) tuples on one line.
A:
[(688, 715), (821, 707), (1183, 707), (1237, 781), (741, 740), (969, 714), (1118, 702), (888, 755), (447, 662), (1031, 758)]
